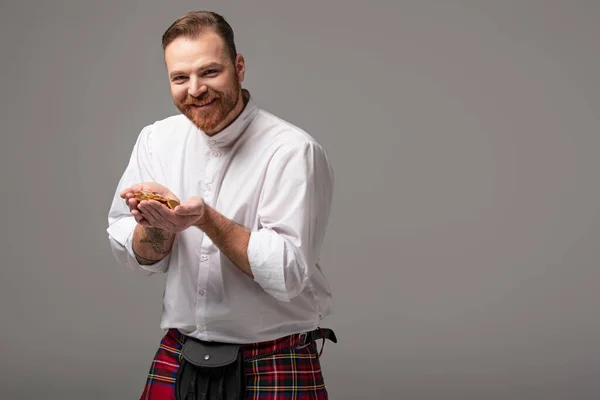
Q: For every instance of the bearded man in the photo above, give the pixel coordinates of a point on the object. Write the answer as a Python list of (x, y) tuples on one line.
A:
[(232, 204)]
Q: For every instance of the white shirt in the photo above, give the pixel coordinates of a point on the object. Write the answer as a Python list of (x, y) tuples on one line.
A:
[(263, 173)]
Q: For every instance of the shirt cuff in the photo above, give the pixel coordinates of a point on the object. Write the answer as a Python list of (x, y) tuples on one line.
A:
[(267, 258), (122, 232)]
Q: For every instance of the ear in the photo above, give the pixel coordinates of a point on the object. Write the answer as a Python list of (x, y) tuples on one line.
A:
[(240, 67)]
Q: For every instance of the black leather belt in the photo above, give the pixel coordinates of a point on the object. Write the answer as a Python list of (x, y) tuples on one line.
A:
[(319, 333)]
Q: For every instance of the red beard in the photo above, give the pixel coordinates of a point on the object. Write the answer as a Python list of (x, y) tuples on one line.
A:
[(209, 118)]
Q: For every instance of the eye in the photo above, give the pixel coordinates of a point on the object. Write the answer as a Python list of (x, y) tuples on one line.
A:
[(179, 78), (210, 72)]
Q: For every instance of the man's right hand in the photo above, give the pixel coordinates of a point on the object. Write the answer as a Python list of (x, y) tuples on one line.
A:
[(149, 244), (128, 195)]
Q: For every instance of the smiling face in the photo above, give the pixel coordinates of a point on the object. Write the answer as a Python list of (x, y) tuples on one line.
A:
[(205, 83)]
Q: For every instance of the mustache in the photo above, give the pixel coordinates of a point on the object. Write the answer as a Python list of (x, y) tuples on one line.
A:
[(200, 101)]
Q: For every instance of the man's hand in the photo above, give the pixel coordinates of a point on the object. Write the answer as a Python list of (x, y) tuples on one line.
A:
[(128, 195), (153, 214)]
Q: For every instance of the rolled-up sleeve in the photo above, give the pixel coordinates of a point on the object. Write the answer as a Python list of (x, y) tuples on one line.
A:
[(120, 235), (293, 213), (121, 223)]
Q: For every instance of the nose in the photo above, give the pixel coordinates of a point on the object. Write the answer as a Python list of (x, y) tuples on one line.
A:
[(196, 87)]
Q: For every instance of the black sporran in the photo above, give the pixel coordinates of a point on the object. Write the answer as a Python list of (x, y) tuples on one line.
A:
[(211, 371)]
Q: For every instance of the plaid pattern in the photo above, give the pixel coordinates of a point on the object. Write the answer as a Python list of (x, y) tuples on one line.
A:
[(160, 384), (276, 370)]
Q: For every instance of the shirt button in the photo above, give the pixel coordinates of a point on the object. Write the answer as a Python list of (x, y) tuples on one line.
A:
[(204, 257), (207, 187), (215, 154), (201, 292)]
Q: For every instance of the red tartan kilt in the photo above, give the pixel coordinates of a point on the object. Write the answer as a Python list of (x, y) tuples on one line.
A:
[(294, 372)]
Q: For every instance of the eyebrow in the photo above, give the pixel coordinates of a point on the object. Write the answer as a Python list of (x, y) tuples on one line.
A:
[(202, 68)]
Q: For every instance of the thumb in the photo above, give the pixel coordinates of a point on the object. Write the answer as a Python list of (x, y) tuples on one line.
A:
[(192, 206)]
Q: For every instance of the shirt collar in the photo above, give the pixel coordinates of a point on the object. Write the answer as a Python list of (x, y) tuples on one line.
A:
[(230, 134)]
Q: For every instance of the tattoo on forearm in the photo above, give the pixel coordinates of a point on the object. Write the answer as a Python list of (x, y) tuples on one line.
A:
[(156, 238)]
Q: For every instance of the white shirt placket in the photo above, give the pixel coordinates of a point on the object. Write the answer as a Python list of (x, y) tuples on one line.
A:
[(208, 192)]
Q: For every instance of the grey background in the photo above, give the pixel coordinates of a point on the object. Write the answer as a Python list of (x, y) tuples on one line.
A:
[(464, 243)]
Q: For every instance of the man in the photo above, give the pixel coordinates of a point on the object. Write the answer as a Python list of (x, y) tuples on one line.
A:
[(241, 250)]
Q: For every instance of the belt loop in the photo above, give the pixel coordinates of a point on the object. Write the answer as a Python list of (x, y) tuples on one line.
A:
[(323, 345), (302, 338)]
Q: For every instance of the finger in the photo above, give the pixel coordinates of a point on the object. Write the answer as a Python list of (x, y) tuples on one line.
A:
[(160, 207), (145, 223), (187, 212), (137, 216), (132, 202), (192, 206), (126, 189), (181, 210), (130, 190), (155, 214), (145, 209), (149, 219), (137, 187), (165, 217)]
